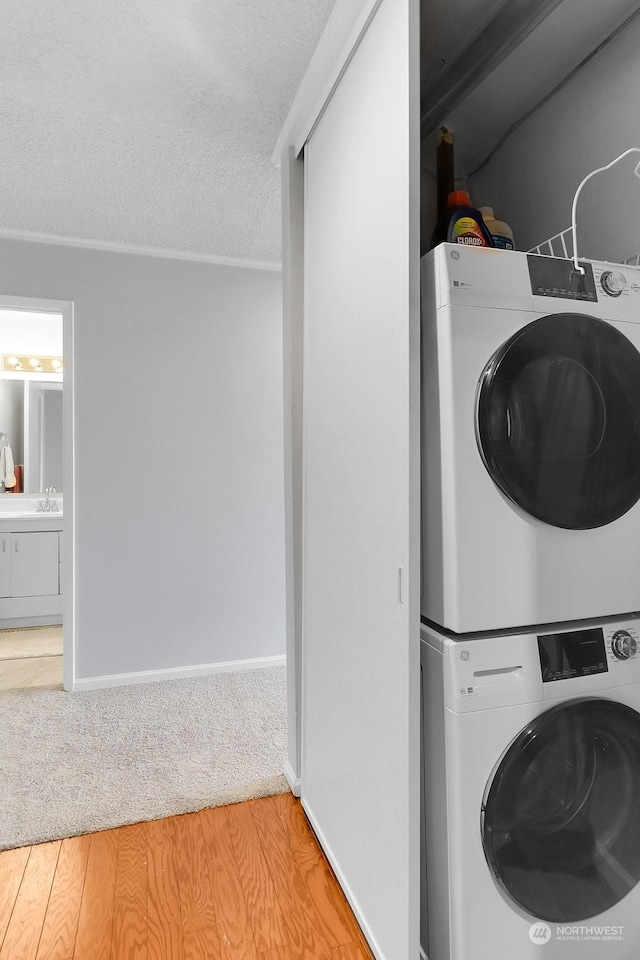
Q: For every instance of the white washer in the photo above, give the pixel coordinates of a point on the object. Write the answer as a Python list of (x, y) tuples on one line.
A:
[(531, 439), (531, 794)]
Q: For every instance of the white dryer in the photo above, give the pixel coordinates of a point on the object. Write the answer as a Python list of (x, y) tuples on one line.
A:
[(531, 439), (531, 795)]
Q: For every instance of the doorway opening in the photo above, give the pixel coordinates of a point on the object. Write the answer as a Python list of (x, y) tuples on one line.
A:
[(36, 460)]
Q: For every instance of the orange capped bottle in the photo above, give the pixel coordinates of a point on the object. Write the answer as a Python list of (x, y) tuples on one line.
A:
[(461, 223)]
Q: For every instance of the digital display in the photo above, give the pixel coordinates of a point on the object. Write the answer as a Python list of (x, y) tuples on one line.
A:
[(564, 656), (552, 277)]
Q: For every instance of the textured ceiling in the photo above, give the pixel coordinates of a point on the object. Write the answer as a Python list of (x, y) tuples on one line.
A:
[(150, 122)]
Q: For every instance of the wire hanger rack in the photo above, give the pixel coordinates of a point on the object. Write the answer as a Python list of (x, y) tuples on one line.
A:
[(565, 243), (567, 240), (561, 246)]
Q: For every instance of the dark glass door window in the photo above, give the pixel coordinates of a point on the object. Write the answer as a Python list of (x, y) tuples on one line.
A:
[(560, 816), (558, 421)]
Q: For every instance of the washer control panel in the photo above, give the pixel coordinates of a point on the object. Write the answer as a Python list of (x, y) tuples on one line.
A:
[(482, 672), (581, 653), (623, 644), (571, 654)]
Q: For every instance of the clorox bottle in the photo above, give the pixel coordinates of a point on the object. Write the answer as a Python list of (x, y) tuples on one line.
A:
[(462, 223)]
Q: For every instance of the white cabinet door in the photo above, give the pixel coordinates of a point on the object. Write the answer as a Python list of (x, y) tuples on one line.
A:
[(5, 565), (34, 564), (361, 511)]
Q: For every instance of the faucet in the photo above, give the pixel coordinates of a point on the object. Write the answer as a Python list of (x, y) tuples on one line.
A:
[(47, 505)]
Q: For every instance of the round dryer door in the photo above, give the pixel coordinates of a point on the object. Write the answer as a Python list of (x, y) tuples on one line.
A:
[(558, 421), (560, 823)]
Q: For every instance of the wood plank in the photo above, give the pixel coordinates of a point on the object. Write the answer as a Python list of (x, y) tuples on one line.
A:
[(294, 952), (234, 924), (352, 951), (192, 869), (60, 927), (95, 925), (129, 939), (283, 802), (334, 911), (306, 930), (12, 866), (269, 928), (202, 944), (164, 917), (129, 894), (25, 925)]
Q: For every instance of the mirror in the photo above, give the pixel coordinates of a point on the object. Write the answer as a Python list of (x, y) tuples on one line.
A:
[(30, 402)]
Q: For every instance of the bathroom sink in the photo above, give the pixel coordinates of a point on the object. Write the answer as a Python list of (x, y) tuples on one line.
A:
[(30, 514), (28, 507)]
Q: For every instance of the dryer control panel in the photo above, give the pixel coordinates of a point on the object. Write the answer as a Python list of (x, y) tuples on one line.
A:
[(551, 277)]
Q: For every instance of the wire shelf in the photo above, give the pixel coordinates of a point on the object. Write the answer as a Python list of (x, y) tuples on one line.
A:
[(561, 247)]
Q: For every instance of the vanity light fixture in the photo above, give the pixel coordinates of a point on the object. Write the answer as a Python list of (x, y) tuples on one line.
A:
[(28, 364)]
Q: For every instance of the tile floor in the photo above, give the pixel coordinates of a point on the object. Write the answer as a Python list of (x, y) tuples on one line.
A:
[(31, 657)]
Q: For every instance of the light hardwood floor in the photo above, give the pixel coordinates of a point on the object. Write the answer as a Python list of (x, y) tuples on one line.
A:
[(31, 657), (243, 882)]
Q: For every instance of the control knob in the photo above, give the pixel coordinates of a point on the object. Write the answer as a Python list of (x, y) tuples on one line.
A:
[(623, 645), (613, 282)]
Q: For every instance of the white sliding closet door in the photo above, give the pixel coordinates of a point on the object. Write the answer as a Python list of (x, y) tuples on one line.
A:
[(360, 595)]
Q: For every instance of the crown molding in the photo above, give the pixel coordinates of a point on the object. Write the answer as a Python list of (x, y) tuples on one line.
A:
[(109, 246)]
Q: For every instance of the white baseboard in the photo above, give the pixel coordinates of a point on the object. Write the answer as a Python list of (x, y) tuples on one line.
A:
[(292, 780), (335, 866), (175, 673)]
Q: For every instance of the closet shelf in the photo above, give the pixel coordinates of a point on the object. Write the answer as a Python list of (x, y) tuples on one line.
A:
[(480, 89)]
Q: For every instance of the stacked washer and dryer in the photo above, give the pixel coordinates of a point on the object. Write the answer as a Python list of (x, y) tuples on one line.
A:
[(530, 607)]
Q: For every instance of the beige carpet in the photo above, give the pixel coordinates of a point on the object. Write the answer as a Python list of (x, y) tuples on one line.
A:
[(74, 763)]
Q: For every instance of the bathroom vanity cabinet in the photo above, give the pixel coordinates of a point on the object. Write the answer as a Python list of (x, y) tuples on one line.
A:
[(357, 155), (30, 571)]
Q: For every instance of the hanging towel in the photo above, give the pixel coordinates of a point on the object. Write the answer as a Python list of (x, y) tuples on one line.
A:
[(7, 474)]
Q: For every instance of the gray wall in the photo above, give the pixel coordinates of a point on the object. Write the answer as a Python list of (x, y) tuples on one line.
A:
[(179, 477), (532, 180)]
